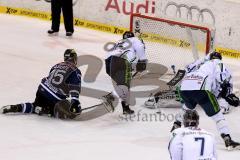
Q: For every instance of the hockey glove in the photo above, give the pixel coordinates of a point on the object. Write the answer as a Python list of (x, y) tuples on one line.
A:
[(233, 100), (226, 89), (141, 65), (75, 106)]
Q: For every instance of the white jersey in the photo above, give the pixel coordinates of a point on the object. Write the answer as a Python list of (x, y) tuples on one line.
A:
[(131, 49), (192, 143), (196, 64), (209, 76)]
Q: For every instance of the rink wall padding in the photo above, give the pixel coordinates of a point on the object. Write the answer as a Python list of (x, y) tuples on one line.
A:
[(77, 22), (45, 15)]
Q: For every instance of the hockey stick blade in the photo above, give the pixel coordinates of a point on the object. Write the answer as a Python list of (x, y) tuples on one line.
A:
[(107, 102), (177, 78), (108, 107)]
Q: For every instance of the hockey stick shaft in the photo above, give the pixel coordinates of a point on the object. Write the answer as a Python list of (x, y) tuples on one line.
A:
[(87, 108), (134, 74)]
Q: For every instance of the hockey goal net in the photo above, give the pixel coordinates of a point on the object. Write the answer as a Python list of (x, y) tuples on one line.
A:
[(172, 43)]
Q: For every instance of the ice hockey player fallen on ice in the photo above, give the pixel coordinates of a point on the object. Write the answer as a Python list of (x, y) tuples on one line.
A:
[(201, 87), (127, 55), (192, 142), (63, 83)]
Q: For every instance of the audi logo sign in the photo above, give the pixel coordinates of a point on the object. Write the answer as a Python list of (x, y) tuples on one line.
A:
[(190, 9)]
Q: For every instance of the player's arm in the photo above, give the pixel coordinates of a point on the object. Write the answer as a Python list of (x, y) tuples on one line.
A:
[(139, 47), (74, 84), (175, 147), (196, 64), (224, 78)]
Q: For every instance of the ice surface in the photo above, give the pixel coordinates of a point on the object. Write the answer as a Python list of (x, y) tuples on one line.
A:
[(26, 55)]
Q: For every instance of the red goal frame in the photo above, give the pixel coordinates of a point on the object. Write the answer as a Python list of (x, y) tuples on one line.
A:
[(208, 35)]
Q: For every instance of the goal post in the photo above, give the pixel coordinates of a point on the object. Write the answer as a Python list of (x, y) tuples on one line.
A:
[(173, 42)]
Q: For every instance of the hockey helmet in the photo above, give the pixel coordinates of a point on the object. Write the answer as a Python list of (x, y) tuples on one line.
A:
[(190, 118), (215, 55), (128, 34), (70, 55)]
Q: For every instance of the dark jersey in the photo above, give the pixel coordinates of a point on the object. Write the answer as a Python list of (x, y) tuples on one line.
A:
[(64, 80)]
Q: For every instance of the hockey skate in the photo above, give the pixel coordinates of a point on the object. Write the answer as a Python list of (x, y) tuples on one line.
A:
[(229, 143), (11, 109), (126, 109), (151, 103)]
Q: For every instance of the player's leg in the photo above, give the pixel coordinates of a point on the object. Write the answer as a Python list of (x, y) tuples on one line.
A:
[(120, 72), (67, 9), (18, 108), (56, 13), (224, 106), (189, 104), (210, 105), (124, 94), (45, 102)]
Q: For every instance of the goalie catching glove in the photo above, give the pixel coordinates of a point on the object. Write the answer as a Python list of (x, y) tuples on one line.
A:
[(141, 65)]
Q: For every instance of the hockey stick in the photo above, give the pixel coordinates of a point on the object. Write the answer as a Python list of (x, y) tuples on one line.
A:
[(141, 74), (134, 74), (177, 78), (87, 108), (104, 104)]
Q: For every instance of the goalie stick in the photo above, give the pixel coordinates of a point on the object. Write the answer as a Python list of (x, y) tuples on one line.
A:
[(177, 78)]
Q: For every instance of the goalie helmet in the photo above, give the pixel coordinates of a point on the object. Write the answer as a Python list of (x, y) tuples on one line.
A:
[(215, 55), (128, 34), (70, 55), (190, 118)]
